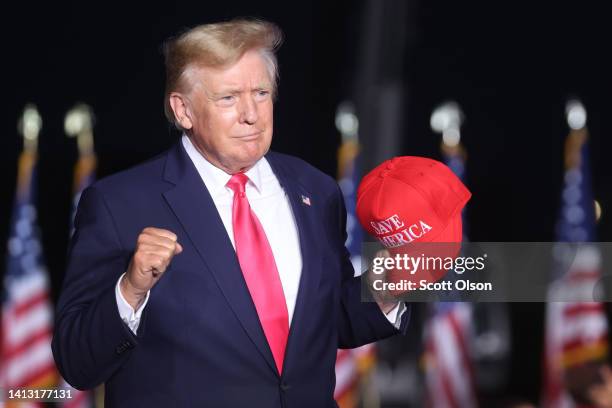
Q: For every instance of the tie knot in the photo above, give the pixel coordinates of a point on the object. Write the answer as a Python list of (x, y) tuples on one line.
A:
[(237, 183)]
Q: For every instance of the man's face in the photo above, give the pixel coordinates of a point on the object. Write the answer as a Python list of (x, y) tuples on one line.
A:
[(230, 112)]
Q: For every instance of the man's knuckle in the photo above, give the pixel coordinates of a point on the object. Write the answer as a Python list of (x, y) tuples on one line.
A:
[(139, 257)]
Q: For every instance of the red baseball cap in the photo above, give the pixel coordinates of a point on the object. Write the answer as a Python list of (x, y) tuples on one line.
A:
[(411, 199), (412, 205)]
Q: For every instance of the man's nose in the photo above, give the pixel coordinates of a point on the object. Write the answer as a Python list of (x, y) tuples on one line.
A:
[(248, 110)]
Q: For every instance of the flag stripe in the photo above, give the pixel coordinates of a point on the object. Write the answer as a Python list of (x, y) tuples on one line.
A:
[(19, 330), (29, 361), (346, 372), (28, 284), (452, 368), (34, 300), (43, 335), (583, 308), (444, 395), (459, 333)]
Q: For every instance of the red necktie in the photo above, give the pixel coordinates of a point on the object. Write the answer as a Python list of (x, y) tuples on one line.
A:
[(259, 270)]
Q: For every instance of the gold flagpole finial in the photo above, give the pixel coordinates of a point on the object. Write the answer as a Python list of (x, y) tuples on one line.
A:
[(447, 119), (79, 123), (29, 126), (576, 116), (347, 124)]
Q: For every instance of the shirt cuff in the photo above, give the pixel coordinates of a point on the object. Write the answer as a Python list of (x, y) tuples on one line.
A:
[(395, 315), (127, 313)]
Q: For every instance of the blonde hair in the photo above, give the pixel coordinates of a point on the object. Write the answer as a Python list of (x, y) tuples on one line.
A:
[(218, 45)]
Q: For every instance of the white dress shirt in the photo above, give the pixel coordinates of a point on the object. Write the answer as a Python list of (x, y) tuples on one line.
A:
[(272, 207)]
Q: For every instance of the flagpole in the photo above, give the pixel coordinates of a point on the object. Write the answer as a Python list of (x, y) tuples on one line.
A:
[(443, 388), (573, 359), (447, 119), (79, 123), (29, 125), (360, 388)]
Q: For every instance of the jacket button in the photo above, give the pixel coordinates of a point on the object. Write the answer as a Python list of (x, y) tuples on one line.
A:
[(123, 346), (284, 386)]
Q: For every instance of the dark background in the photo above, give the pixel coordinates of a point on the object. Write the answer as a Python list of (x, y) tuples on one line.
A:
[(511, 65)]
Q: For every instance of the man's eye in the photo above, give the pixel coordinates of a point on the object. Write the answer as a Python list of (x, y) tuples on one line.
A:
[(262, 94), (227, 100)]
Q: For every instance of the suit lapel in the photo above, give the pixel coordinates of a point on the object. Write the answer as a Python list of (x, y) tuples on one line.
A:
[(303, 205), (193, 206)]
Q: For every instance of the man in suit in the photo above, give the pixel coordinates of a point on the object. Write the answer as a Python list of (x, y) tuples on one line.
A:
[(215, 275)]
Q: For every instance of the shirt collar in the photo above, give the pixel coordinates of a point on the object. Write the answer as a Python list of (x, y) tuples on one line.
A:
[(215, 178)]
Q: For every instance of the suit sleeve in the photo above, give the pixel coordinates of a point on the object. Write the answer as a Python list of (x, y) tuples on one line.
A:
[(90, 341), (360, 322)]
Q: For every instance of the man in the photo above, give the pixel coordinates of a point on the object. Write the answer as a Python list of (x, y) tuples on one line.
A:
[(215, 275)]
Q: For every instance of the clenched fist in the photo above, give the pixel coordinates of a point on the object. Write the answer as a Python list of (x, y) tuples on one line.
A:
[(155, 248)]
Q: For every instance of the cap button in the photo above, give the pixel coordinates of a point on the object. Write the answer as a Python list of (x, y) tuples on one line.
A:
[(383, 173)]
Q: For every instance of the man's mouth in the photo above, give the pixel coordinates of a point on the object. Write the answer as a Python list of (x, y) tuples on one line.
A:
[(249, 136)]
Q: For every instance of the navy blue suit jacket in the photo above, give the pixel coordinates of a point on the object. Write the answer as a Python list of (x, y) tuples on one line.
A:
[(200, 343)]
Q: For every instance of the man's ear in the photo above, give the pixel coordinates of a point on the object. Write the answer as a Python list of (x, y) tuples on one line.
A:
[(179, 106)]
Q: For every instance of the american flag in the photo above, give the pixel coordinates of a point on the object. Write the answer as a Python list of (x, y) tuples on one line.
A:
[(449, 368), (353, 364), (84, 175), (576, 329), (26, 359)]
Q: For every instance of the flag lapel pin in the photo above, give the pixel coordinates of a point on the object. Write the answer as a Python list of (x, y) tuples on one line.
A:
[(305, 200)]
